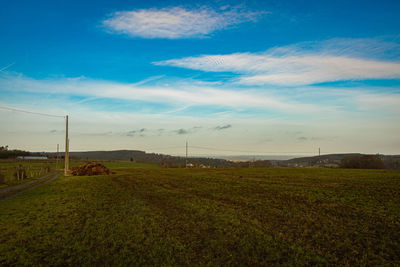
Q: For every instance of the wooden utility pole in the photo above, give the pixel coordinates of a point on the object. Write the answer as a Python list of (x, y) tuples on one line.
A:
[(66, 159), (186, 154), (58, 147), (319, 155)]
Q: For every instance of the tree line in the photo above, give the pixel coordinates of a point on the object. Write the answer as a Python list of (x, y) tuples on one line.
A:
[(6, 153)]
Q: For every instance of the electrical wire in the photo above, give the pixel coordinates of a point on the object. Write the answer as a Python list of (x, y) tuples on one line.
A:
[(163, 148), (31, 112), (242, 151)]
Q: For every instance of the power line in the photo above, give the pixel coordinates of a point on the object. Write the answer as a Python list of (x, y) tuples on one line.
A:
[(31, 112), (163, 148), (242, 151)]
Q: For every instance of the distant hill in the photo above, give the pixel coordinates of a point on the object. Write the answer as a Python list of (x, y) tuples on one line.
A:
[(333, 158), (111, 155), (390, 161), (142, 156), (255, 157), (330, 160)]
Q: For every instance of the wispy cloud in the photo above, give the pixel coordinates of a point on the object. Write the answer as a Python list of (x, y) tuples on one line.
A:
[(182, 131), (93, 134), (187, 131), (379, 102), (223, 127), (300, 64), (144, 132), (175, 94), (176, 22), (140, 132), (6, 67), (299, 102)]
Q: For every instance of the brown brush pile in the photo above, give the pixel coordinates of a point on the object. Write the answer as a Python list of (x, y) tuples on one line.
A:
[(90, 168)]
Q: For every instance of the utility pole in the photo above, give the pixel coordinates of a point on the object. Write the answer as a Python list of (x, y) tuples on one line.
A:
[(58, 147), (66, 167), (186, 154), (319, 155)]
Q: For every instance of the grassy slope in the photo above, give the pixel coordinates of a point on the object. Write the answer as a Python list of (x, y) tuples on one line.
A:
[(216, 216)]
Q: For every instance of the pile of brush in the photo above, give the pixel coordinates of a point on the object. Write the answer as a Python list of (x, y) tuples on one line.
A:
[(90, 168)]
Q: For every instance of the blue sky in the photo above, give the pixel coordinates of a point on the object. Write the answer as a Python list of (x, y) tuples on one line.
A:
[(261, 77)]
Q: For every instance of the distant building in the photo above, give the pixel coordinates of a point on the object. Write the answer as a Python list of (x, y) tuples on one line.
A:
[(190, 165), (32, 157), (204, 166)]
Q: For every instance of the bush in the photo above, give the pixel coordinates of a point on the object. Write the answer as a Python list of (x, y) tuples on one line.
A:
[(362, 162)]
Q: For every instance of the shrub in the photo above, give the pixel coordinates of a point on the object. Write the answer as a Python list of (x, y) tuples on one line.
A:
[(362, 162)]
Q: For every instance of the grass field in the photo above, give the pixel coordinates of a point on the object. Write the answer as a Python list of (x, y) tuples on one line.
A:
[(151, 216), (33, 167)]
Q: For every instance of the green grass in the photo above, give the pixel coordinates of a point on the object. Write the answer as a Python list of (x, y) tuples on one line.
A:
[(130, 165), (154, 216), (7, 168)]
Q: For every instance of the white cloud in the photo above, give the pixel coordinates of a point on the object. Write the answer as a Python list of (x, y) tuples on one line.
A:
[(181, 95), (379, 102), (176, 22), (373, 48), (175, 94), (293, 65)]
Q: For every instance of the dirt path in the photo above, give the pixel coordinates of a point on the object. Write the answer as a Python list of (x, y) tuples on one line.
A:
[(9, 192)]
